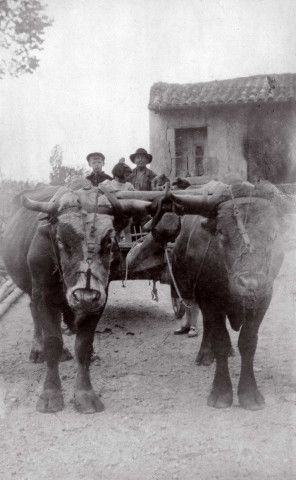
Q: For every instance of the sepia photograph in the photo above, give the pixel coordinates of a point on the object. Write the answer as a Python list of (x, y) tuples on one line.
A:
[(147, 240)]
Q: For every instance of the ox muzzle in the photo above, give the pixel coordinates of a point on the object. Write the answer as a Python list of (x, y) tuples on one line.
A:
[(250, 286), (85, 300)]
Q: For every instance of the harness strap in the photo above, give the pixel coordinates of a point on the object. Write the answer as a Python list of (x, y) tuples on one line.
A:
[(57, 263), (202, 263)]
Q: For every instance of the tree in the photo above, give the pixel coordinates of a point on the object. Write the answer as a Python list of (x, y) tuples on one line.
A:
[(60, 174), (22, 25)]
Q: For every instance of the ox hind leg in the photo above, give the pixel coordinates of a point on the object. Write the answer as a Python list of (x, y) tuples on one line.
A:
[(85, 399), (221, 395), (249, 396), (205, 355)]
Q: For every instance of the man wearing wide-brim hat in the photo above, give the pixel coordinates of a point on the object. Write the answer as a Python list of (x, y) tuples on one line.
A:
[(141, 177)]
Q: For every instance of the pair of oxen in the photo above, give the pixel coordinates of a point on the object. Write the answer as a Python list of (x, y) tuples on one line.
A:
[(60, 248)]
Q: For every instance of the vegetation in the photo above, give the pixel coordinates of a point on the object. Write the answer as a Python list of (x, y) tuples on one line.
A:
[(61, 174), (8, 190), (267, 151), (22, 26)]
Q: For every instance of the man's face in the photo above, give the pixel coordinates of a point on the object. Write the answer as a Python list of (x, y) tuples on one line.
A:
[(96, 163), (141, 160)]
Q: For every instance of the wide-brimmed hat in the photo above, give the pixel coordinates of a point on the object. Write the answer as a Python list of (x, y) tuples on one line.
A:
[(95, 154), (141, 151)]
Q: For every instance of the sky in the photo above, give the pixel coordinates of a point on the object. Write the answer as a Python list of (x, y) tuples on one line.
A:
[(101, 57)]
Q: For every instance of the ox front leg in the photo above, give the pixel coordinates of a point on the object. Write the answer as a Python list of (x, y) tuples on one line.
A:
[(249, 396), (51, 399), (37, 350), (85, 399), (221, 395)]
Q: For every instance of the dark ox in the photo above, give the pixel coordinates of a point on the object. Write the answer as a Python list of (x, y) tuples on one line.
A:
[(65, 263), (227, 263)]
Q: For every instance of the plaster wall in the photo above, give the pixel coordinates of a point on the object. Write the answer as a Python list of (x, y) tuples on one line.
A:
[(226, 128)]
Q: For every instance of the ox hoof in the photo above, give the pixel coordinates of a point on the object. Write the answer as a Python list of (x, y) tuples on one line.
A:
[(50, 401), (66, 355), (251, 400), (220, 400), (37, 355), (205, 357), (87, 401)]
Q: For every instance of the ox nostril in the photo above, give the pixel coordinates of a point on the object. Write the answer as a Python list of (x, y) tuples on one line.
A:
[(96, 297), (247, 283), (84, 296)]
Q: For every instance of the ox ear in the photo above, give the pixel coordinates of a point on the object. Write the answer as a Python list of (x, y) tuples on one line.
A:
[(209, 224), (45, 207)]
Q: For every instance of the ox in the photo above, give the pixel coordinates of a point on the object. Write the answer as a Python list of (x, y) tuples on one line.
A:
[(225, 259), (227, 263), (65, 263)]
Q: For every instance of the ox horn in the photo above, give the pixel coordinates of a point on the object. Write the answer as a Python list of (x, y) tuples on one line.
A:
[(202, 204), (134, 206), (45, 207)]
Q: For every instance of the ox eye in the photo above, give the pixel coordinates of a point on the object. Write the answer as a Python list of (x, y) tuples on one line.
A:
[(221, 235), (107, 243), (64, 246)]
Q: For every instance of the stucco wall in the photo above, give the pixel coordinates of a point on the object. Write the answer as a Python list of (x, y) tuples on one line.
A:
[(227, 126), (226, 129)]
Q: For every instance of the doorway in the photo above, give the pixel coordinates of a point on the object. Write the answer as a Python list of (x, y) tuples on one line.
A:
[(190, 145)]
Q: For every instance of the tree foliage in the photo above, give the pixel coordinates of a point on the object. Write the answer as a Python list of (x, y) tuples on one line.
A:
[(61, 174), (22, 25)]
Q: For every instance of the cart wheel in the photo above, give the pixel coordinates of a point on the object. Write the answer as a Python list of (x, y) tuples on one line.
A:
[(178, 306)]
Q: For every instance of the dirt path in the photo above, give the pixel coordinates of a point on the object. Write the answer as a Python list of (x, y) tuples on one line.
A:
[(156, 424)]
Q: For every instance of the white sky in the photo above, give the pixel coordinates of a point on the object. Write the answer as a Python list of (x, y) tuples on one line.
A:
[(101, 57)]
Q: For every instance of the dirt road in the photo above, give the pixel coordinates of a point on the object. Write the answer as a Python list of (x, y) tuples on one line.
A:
[(156, 424)]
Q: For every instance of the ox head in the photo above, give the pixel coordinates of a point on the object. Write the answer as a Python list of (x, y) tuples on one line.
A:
[(82, 228), (246, 222)]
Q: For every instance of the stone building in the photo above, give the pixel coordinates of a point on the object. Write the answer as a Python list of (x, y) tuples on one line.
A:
[(242, 125)]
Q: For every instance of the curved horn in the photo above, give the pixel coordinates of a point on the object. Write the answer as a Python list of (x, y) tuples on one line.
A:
[(131, 207), (45, 207), (194, 205), (200, 204)]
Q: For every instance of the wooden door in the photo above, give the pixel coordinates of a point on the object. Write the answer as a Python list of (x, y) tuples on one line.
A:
[(190, 144)]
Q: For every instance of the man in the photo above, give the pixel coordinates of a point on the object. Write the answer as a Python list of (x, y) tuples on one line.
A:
[(96, 161), (141, 177)]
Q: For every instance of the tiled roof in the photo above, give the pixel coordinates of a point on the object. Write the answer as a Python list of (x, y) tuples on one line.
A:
[(256, 89)]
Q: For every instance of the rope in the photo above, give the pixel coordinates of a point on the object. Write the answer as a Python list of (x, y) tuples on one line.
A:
[(173, 279)]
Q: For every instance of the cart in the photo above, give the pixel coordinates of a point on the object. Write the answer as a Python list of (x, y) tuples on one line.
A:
[(126, 243)]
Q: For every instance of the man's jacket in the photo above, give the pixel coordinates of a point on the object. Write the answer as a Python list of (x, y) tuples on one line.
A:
[(96, 178), (141, 182)]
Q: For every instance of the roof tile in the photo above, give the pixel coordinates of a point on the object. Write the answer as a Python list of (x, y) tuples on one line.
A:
[(258, 88)]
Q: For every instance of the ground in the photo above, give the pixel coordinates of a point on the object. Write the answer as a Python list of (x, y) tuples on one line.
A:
[(156, 424)]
